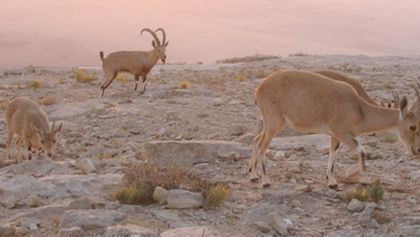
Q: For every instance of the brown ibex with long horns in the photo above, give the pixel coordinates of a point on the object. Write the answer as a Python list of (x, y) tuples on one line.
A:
[(138, 63)]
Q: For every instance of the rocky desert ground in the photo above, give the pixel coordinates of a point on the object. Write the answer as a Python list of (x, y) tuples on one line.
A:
[(201, 117)]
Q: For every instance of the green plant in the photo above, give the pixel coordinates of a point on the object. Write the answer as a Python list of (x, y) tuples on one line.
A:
[(122, 78), (376, 191), (216, 196), (360, 194)]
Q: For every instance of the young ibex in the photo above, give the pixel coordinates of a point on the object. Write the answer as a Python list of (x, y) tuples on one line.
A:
[(310, 102), (26, 118), (138, 63)]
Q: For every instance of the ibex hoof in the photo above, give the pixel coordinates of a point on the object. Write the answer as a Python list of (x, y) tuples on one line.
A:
[(333, 186), (253, 179)]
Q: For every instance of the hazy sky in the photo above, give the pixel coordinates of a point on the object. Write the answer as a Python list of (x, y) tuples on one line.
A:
[(72, 32)]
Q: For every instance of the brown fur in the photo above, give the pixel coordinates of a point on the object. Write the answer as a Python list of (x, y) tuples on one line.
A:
[(312, 103), (25, 118)]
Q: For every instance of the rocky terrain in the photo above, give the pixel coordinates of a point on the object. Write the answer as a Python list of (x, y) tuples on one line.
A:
[(201, 117)]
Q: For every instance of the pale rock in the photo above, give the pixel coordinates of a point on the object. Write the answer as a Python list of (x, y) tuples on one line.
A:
[(160, 195), (188, 153), (263, 226), (182, 199), (280, 224), (85, 165), (90, 219), (356, 206), (194, 231), (414, 175), (365, 217), (129, 231)]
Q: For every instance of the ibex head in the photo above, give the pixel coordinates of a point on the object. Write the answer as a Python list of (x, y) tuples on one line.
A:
[(159, 47), (409, 129)]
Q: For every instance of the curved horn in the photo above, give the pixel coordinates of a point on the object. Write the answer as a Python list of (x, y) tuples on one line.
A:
[(163, 35), (153, 34)]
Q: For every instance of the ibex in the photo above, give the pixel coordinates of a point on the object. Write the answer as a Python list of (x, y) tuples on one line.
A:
[(310, 102), (26, 118), (138, 63)]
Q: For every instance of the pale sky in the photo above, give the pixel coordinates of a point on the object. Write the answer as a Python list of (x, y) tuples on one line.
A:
[(72, 32)]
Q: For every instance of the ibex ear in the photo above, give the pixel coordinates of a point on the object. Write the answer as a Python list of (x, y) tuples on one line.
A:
[(154, 44), (58, 130), (403, 107), (166, 44)]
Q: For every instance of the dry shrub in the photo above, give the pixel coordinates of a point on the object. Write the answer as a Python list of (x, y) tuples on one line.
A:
[(47, 100), (216, 196), (375, 193), (138, 193), (104, 155), (141, 180), (34, 84), (184, 84), (122, 78), (241, 77), (360, 194), (83, 76)]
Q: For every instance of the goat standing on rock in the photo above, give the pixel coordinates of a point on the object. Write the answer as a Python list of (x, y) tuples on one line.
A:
[(138, 63)]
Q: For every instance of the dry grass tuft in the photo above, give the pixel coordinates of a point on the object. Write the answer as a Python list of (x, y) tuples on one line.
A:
[(375, 193), (138, 193), (241, 77), (83, 76), (184, 84), (122, 78), (47, 100), (216, 196), (140, 182), (35, 84)]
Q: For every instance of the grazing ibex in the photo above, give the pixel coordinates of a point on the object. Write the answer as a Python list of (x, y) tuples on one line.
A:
[(138, 63), (26, 118), (310, 102)]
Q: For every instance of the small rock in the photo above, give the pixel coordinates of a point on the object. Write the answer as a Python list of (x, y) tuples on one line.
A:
[(85, 165), (280, 224), (356, 206), (414, 176), (181, 199), (279, 155), (296, 203), (365, 217), (217, 102), (128, 231), (160, 195), (194, 231), (263, 226)]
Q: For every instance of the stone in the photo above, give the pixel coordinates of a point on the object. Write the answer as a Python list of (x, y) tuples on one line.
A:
[(85, 165), (365, 217), (90, 219), (160, 195), (296, 203), (129, 231), (71, 232), (188, 153), (356, 206), (259, 211), (182, 199), (280, 224), (263, 226), (83, 203)]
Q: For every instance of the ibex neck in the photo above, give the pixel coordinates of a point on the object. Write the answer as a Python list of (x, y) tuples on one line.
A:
[(376, 119), (153, 58)]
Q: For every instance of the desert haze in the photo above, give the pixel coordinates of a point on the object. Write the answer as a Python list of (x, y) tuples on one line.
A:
[(70, 33)]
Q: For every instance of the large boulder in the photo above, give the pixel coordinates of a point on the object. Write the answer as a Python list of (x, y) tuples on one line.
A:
[(187, 153)]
